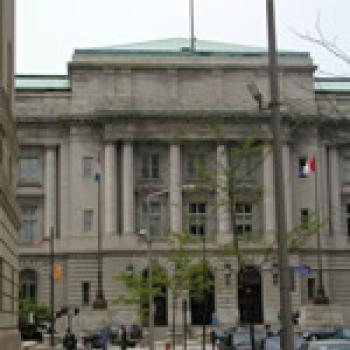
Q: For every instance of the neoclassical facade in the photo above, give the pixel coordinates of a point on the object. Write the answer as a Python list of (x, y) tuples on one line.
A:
[(146, 115), (9, 214)]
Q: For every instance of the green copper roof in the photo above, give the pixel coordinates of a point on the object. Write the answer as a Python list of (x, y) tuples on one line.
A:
[(340, 84), (181, 46), (42, 82)]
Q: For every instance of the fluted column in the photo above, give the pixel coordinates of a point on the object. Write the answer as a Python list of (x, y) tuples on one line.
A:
[(222, 192), (269, 200), (128, 188), (175, 195), (335, 200), (50, 190), (110, 189)]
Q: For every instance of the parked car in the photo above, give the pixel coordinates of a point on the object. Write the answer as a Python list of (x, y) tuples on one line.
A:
[(31, 332), (274, 343), (325, 332), (342, 333), (91, 340), (327, 344)]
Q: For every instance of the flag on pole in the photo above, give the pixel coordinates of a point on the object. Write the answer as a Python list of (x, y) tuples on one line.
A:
[(307, 167)]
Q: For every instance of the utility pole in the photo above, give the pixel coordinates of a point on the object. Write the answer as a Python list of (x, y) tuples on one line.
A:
[(282, 249), (52, 286), (204, 296)]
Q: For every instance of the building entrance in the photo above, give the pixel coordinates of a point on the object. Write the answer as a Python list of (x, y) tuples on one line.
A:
[(249, 295)]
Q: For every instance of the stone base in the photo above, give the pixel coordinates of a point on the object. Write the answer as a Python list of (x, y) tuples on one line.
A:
[(314, 316), (10, 339)]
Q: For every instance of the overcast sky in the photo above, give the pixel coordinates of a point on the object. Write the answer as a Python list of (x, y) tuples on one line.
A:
[(49, 30)]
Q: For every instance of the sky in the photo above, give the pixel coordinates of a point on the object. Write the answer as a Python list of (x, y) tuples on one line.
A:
[(48, 31)]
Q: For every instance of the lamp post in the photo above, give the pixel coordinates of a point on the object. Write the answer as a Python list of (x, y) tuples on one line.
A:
[(100, 302), (285, 299), (204, 291), (52, 285)]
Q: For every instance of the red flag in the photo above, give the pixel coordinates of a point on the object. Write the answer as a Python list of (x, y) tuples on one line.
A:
[(312, 164)]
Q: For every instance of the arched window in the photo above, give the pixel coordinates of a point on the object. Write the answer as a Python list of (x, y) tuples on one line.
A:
[(28, 284)]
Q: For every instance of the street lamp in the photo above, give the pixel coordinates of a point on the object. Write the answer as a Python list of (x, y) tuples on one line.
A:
[(100, 302)]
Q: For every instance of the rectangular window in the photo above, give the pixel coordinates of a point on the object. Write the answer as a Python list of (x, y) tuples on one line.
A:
[(28, 232), (311, 290), (301, 168), (150, 166), (87, 167), (88, 220), (291, 279), (195, 165), (245, 169), (85, 289), (29, 170), (243, 218), (151, 218), (197, 218), (345, 166), (304, 217), (347, 214)]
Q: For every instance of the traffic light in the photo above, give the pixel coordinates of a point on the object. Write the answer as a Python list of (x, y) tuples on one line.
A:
[(58, 272)]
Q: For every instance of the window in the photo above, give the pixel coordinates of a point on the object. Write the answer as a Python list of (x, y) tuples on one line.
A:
[(87, 167), (152, 219), (245, 169), (195, 165), (88, 220), (345, 168), (197, 219), (311, 288), (291, 279), (348, 219), (243, 218), (150, 166), (304, 217), (85, 289), (28, 232), (28, 285), (301, 167), (29, 170)]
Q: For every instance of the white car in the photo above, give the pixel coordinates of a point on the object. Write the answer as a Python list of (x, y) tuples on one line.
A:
[(329, 344)]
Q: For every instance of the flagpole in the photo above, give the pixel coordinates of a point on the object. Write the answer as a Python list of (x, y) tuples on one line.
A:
[(192, 38)]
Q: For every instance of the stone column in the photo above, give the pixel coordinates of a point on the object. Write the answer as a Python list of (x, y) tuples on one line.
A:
[(175, 193), (222, 192), (287, 186), (128, 195), (110, 189), (269, 193), (335, 200), (50, 204)]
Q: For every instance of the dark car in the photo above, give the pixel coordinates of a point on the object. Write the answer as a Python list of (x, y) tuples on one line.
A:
[(325, 332), (31, 332), (92, 339)]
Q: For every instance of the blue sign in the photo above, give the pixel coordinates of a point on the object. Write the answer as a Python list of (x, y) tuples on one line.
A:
[(302, 270)]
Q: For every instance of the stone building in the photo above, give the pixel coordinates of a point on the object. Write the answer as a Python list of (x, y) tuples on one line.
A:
[(9, 215), (146, 114)]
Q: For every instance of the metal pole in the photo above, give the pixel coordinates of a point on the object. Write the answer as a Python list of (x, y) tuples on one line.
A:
[(174, 308), (150, 279), (252, 336), (204, 314), (192, 38), (184, 315), (282, 249), (52, 286), (100, 301), (321, 295)]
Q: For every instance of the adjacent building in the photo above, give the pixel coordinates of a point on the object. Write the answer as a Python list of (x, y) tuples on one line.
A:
[(9, 215), (153, 117)]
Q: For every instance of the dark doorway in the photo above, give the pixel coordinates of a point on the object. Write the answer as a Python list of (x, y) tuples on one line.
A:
[(202, 304), (160, 304), (249, 295)]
